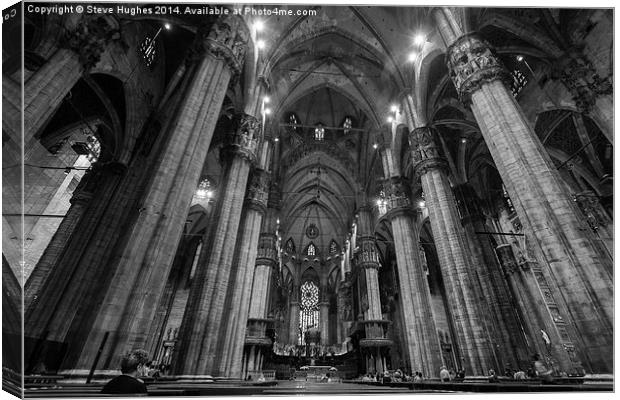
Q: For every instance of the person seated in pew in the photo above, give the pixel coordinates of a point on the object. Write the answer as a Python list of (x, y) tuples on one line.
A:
[(127, 382)]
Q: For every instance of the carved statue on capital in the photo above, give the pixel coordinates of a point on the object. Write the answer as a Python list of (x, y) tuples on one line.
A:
[(89, 39), (472, 62), (425, 151), (397, 194), (242, 140), (592, 210), (257, 190), (227, 39)]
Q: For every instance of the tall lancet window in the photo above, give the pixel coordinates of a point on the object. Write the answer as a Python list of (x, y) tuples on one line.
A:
[(309, 309), (319, 132)]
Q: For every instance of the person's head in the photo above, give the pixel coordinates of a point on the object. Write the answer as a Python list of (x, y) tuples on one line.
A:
[(132, 361)]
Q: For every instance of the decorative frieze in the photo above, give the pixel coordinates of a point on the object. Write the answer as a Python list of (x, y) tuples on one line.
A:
[(472, 62)]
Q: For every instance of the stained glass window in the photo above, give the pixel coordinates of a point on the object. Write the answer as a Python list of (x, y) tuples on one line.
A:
[(311, 251), (148, 51), (347, 124), (292, 119), (519, 80), (309, 309), (319, 132)]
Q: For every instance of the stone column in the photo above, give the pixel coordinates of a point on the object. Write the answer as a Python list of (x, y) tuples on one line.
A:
[(324, 316), (503, 325), (420, 333), (293, 315), (546, 336), (539, 196), (455, 259), (367, 264), (203, 318), (82, 195), (230, 351), (131, 301)]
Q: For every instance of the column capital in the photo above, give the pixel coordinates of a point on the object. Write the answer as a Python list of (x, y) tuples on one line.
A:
[(367, 256), (472, 62), (241, 142), (226, 39), (256, 198), (397, 197), (89, 39), (425, 152), (267, 253)]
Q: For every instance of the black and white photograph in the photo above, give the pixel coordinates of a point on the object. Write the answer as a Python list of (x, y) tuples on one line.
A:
[(243, 199)]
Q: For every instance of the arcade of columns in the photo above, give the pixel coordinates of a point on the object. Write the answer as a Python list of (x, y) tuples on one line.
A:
[(569, 293)]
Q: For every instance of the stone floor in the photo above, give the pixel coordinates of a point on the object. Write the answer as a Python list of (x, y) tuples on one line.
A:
[(302, 387)]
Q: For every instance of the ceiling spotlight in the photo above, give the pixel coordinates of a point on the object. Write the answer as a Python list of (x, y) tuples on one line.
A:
[(394, 108), (413, 56), (463, 140), (266, 99), (420, 39), (258, 25), (390, 119), (374, 146), (267, 111), (519, 58), (276, 139), (260, 44), (167, 26), (422, 203)]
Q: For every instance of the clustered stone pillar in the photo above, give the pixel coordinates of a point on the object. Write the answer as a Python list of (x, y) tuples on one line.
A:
[(420, 333), (455, 259), (131, 301), (293, 315), (230, 352), (256, 340), (540, 198), (502, 323), (375, 343), (204, 314), (546, 337)]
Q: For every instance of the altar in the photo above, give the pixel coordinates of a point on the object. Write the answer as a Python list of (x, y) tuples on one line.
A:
[(318, 372)]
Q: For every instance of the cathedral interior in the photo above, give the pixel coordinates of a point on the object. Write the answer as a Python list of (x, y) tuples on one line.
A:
[(368, 188)]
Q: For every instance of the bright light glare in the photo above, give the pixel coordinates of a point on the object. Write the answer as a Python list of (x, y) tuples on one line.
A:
[(167, 26), (390, 119), (260, 44), (419, 39), (259, 25), (266, 99), (422, 204), (394, 108), (412, 56), (267, 111)]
